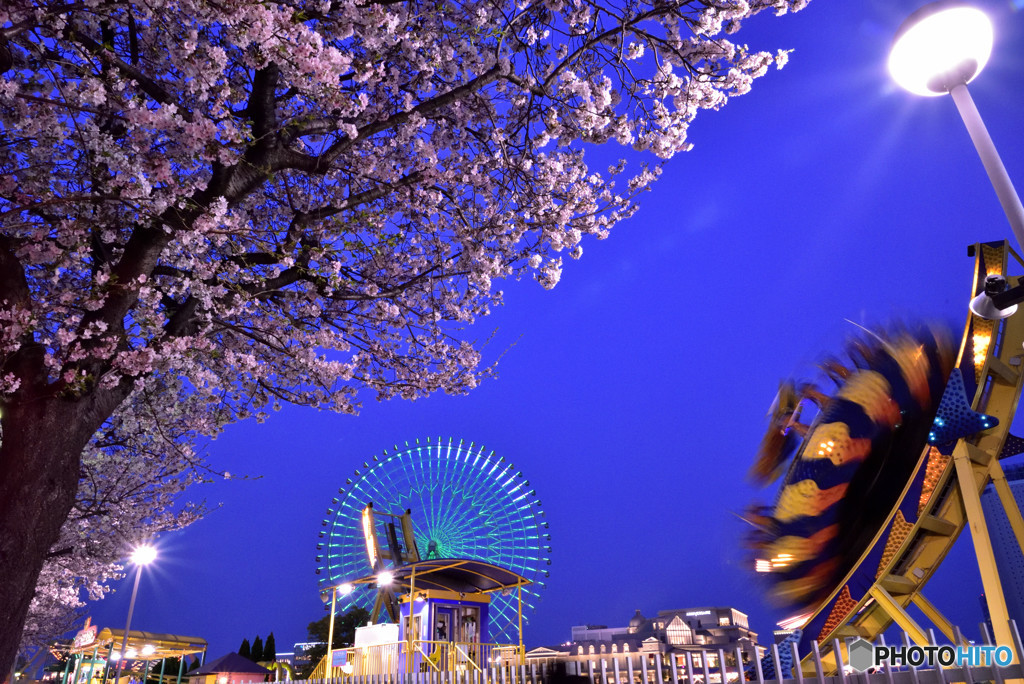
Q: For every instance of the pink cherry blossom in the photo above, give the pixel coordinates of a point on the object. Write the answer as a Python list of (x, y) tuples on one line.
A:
[(208, 209)]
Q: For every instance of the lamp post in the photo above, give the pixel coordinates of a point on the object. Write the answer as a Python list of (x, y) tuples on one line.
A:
[(939, 49), (344, 589), (141, 556)]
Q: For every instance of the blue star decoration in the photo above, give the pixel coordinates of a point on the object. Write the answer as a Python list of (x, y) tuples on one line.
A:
[(955, 418)]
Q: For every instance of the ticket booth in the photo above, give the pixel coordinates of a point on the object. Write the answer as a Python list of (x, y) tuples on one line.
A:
[(442, 606)]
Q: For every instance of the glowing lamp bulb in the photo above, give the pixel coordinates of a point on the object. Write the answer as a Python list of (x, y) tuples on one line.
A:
[(148, 649), (346, 588), (385, 578), (144, 555), (940, 46)]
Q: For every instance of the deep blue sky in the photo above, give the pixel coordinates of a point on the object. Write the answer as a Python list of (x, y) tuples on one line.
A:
[(634, 396)]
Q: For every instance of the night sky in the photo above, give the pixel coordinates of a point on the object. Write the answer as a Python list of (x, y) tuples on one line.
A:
[(633, 395)]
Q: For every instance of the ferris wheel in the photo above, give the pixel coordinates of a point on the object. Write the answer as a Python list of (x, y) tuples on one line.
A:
[(464, 501)]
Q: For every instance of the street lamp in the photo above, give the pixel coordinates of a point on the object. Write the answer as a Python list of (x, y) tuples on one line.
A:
[(141, 556), (939, 49)]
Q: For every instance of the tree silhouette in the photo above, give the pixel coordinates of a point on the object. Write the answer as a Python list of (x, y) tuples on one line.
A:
[(257, 649), (270, 649)]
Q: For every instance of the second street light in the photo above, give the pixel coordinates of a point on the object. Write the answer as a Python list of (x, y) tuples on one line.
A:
[(141, 557)]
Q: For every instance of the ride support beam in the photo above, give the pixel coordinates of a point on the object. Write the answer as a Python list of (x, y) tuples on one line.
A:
[(894, 610), (939, 526), (1009, 503), (968, 485), (936, 618), (898, 585)]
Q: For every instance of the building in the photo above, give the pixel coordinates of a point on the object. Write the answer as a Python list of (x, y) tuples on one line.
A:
[(285, 658), (672, 632), (300, 656), (229, 669), (1009, 560), (597, 632)]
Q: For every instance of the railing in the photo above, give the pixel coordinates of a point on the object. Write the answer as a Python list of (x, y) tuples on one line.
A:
[(386, 660), (500, 665)]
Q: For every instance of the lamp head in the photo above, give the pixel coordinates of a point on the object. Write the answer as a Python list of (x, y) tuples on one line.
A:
[(984, 306), (144, 555), (939, 46)]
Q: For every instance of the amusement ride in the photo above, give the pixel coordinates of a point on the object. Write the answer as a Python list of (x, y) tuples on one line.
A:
[(878, 485)]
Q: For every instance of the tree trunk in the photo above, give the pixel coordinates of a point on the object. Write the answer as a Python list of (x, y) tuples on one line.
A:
[(40, 454)]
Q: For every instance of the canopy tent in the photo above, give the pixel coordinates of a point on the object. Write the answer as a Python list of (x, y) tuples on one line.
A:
[(90, 655), (146, 645)]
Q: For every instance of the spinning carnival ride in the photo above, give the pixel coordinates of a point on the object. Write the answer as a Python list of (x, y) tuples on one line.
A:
[(455, 500), (888, 474)]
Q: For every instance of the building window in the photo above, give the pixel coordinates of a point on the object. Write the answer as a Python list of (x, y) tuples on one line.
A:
[(678, 632)]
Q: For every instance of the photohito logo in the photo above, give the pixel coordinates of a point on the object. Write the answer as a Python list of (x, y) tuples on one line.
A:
[(864, 655)]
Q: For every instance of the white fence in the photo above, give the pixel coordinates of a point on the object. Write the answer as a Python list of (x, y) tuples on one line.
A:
[(708, 666)]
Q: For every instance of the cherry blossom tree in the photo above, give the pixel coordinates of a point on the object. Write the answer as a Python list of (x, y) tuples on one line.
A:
[(131, 481), (212, 207)]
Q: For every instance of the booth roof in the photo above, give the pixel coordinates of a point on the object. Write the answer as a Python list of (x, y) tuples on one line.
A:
[(232, 662), (449, 574), (165, 645)]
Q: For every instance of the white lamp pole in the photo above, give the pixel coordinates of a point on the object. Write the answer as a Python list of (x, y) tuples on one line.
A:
[(939, 49), (142, 556), (990, 158)]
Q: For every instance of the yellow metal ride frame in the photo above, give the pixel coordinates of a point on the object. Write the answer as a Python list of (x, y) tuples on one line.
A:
[(951, 498)]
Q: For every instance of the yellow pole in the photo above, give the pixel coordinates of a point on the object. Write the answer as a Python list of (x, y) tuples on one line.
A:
[(330, 635), (412, 622), (896, 612), (982, 544), (522, 653), (937, 618)]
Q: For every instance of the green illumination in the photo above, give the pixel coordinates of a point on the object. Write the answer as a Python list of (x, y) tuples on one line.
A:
[(464, 499)]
